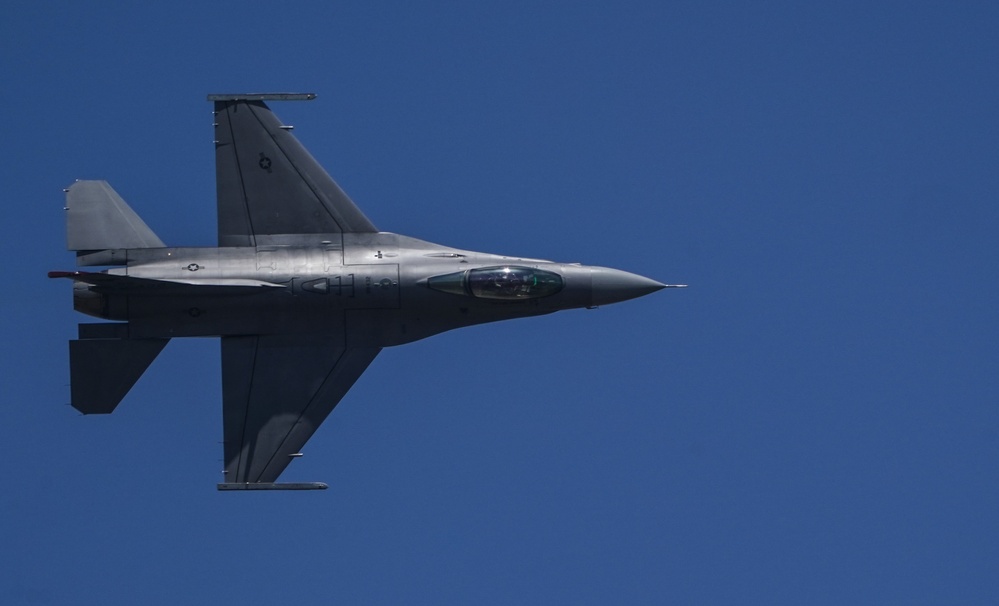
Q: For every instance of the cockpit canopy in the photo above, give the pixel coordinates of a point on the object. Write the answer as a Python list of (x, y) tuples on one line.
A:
[(502, 282)]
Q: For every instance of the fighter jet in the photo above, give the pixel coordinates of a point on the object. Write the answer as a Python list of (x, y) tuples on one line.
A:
[(303, 290)]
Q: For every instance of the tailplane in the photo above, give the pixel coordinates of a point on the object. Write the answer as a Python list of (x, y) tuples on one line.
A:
[(104, 365), (98, 219)]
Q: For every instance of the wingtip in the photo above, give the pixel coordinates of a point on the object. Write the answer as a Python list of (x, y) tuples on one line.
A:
[(227, 486), (261, 96)]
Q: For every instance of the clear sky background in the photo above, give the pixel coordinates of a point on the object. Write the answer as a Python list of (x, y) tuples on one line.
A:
[(814, 421)]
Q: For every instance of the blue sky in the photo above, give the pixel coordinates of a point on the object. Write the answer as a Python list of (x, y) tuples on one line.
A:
[(815, 420)]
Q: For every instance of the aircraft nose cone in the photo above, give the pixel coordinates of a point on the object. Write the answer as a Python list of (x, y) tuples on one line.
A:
[(614, 285)]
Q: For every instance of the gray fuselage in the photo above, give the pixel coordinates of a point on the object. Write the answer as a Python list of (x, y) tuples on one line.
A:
[(373, 289)]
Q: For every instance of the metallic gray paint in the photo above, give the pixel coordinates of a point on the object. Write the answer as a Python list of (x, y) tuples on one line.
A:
[(303, 291)]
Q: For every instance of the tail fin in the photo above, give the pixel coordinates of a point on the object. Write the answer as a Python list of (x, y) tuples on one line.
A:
[(104, 365), (98, 219)]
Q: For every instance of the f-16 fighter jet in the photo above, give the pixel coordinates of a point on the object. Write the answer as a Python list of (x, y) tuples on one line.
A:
[(303, 290)]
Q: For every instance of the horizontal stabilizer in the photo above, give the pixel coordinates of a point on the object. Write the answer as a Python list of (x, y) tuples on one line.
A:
[(102, 371), (97, 219)]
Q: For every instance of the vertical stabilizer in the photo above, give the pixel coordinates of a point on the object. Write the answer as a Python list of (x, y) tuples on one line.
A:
[(98, 219)]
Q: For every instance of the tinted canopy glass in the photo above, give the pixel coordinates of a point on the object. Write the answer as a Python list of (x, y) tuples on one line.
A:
[(509, 283)]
